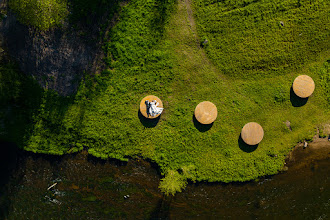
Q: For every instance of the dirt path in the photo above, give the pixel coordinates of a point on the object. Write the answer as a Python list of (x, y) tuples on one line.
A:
[(191, 24), (195, 67), (191, 20)]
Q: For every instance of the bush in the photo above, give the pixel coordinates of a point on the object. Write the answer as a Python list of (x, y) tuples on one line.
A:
[(172, 183), (40, 14)]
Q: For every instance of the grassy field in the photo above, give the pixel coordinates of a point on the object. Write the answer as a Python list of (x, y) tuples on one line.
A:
[(246, 70), (263, 38)]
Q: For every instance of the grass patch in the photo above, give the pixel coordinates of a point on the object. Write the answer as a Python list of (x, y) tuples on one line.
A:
[(263, 38), (324, 74), (155, 49)]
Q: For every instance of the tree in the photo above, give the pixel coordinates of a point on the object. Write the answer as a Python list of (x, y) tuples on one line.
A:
[(42, 14)]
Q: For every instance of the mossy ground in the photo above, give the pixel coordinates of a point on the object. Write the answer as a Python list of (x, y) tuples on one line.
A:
[(246, 70)]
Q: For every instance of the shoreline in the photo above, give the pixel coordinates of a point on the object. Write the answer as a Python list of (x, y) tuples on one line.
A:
[(297, 158), (91, 181), (318, 149)]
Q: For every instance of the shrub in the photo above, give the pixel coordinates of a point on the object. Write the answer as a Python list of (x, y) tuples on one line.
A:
[(40, 14), (172, 183)]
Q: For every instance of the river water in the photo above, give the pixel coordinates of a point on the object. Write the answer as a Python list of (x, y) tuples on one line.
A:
[(91, 188)]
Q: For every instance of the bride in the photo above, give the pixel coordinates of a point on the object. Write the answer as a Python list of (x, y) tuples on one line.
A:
[(153, 109)]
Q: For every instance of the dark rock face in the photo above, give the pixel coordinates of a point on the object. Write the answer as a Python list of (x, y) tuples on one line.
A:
[(55, 58)]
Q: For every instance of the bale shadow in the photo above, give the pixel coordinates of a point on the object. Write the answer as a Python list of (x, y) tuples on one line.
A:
[(201, 127), (148, 122), (245, 147), (296, 101)]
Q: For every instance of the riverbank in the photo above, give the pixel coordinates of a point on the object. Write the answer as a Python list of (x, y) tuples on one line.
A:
[(300, 157), (103, 189), (300, 192)]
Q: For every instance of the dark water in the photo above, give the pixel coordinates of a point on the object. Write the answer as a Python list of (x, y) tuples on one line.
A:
[(90, 188)]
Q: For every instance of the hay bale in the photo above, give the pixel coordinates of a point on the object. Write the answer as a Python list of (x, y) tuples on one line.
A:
[(252, 133), (303, 86), (206, 112), (143, 107)]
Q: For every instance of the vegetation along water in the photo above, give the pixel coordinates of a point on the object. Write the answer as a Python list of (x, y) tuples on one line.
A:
[(88, 187), (254, 51)]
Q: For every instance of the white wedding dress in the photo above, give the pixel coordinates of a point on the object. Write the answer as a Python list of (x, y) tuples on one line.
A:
[(153, 109)]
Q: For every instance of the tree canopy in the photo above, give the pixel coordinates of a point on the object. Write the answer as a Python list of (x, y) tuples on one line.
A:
[(40, 14)]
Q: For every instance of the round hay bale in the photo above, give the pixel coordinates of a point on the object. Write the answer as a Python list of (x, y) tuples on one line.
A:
[(143, 106), (252, 133), (303, 86), (206, 112)]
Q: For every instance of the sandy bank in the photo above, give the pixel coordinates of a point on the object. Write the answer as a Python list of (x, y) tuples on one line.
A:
[(318, 149)]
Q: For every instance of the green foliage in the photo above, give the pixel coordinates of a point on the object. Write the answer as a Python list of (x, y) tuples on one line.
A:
[(324, 73), (280, 94), (54, 127), (189, 172), (43, 14), (131, 41), (172, 183), (322, 133), (251, 38), (16, 105)]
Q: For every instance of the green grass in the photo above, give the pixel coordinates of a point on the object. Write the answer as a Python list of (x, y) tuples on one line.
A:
[(324, 74), (17, 106), (247, 39), (154, 49)]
